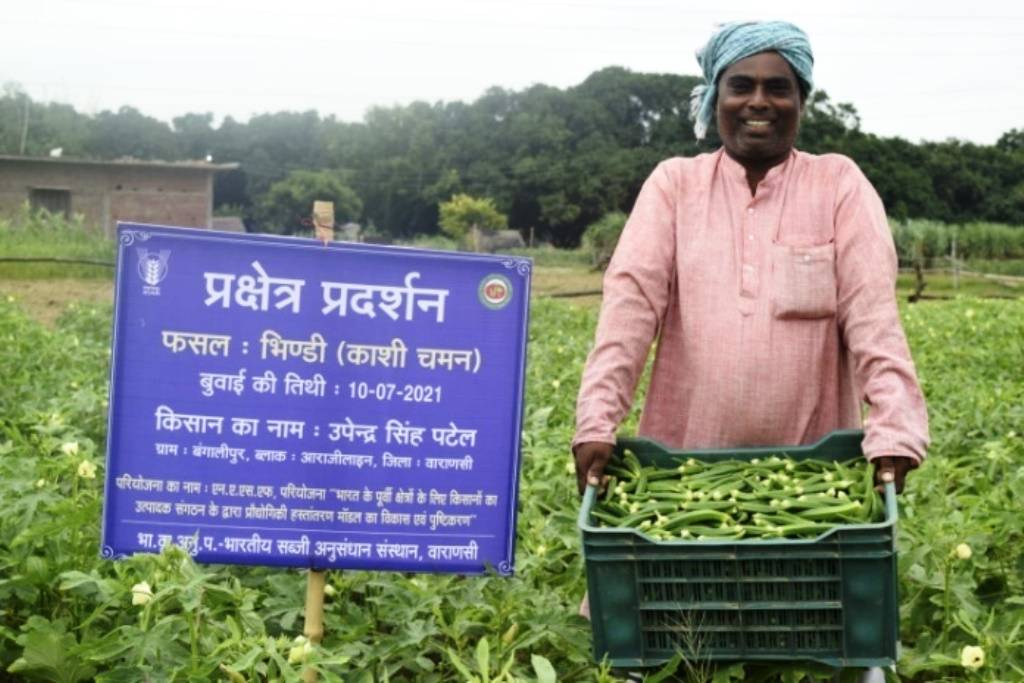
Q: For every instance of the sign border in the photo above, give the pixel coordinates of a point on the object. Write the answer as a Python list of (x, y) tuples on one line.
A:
[(131, 233)]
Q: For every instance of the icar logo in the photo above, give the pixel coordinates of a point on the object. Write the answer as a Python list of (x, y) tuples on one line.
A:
[(495, 291), (152, 269)]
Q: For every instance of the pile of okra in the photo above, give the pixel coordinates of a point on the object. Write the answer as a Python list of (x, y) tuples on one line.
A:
[(766, 498)]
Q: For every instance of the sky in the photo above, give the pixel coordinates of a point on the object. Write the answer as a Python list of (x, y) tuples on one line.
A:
[(920, 70)]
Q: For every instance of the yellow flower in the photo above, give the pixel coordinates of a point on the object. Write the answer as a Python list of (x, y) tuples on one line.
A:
[(963, 551), (86, 470), (141, 593), (329, 590), (555, 383), (69, 448), (40, 483), (972, 657)]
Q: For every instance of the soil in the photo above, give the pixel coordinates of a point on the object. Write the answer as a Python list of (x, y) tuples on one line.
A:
[(46, 299)]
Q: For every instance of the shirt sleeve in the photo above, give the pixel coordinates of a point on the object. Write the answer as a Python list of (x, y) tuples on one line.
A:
[(636, 292), (869, 323)]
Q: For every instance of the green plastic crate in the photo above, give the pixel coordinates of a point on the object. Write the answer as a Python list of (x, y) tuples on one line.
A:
[(831, 600)]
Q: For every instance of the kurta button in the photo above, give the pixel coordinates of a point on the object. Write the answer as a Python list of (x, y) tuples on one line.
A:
[(750, 237), (750, 210)]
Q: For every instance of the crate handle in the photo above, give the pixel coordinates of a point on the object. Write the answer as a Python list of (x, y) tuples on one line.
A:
[(587, 503), (890, 502)]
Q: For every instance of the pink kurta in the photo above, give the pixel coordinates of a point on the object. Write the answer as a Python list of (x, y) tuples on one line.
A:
[(775, 314)]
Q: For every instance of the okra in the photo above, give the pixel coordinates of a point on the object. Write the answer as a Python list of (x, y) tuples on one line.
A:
[(771, 497)]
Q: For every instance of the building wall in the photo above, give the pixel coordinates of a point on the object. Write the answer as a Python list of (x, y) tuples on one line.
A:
[(107, 193)]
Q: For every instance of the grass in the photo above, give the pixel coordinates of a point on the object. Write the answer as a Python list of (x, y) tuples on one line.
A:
[(28, 235), (1014, 267), (555, 258), (941, 284), (46, 287)]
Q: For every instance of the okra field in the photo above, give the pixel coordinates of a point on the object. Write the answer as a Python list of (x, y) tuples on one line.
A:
[(68, 615)]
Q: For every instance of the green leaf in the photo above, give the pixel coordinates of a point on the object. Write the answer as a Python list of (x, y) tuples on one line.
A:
[(733, 673), (669, 669), (48, 655), (74, 579), (233, 628), (233, 676), (112, 644), (461, 667), (246, 660), (483, 659), (124, 674), (542, 667)]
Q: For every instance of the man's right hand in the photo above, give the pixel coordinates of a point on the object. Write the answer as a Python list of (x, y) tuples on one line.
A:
[(591, 458)]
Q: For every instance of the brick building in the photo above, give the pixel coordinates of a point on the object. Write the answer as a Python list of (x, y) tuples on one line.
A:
[(105, 192)]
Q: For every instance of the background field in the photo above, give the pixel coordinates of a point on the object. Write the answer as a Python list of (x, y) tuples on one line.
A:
[(67, 615)]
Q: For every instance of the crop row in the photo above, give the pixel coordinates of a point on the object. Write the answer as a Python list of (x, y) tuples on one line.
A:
[(67, 614)]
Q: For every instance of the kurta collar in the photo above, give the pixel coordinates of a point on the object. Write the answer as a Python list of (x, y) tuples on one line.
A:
[(734, 170)]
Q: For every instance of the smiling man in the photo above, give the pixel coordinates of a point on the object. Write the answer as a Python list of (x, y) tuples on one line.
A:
[(767, 277)]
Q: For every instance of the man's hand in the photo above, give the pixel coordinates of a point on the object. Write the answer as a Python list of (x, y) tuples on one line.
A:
[(892, 468), (591, 457)]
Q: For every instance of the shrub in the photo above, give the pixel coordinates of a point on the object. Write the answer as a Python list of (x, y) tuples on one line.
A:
[(600, 238), (462, 212)]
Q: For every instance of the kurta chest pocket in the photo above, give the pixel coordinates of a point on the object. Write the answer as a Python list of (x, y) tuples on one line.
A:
[(803, 281)]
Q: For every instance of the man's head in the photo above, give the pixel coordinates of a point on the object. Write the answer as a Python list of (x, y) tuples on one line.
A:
[(732, 45), (759, 103)]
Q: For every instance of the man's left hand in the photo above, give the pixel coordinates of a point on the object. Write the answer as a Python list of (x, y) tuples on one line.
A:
[(892, 468)]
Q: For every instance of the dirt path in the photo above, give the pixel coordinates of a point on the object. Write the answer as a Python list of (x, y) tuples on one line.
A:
[(555, 281), (46, 299)]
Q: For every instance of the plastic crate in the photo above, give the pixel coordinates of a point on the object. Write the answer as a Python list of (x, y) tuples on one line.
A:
[(832, 599)]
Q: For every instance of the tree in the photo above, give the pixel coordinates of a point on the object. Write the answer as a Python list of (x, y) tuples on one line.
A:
[(41, 126), (1011, 141), (195, 135), (130, 133), (462, 213), (825, 125), (555, 160), (288, 203)]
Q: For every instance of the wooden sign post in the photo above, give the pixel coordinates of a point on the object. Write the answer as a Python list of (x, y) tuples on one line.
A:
[(314, 627), (323, 226), (323, 220)]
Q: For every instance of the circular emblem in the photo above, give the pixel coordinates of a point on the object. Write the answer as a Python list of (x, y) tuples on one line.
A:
[(495, 291)]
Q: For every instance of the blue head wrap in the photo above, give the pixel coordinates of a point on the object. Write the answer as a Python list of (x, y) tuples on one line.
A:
[(739, 40)]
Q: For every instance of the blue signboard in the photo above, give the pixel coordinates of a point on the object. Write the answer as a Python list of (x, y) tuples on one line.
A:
[(276, 401)]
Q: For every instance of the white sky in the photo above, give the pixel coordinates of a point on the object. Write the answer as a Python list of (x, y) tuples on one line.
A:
[(921, 70)]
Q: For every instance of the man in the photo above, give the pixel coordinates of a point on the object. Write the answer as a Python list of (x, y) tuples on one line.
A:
[(767, 277)]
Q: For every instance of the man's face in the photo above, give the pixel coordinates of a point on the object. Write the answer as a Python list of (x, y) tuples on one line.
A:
[(759, 108)]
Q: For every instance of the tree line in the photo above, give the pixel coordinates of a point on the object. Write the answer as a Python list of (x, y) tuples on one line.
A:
[(553, 160)]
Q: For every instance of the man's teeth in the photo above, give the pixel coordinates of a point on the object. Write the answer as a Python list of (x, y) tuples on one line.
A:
[(758, 124)]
